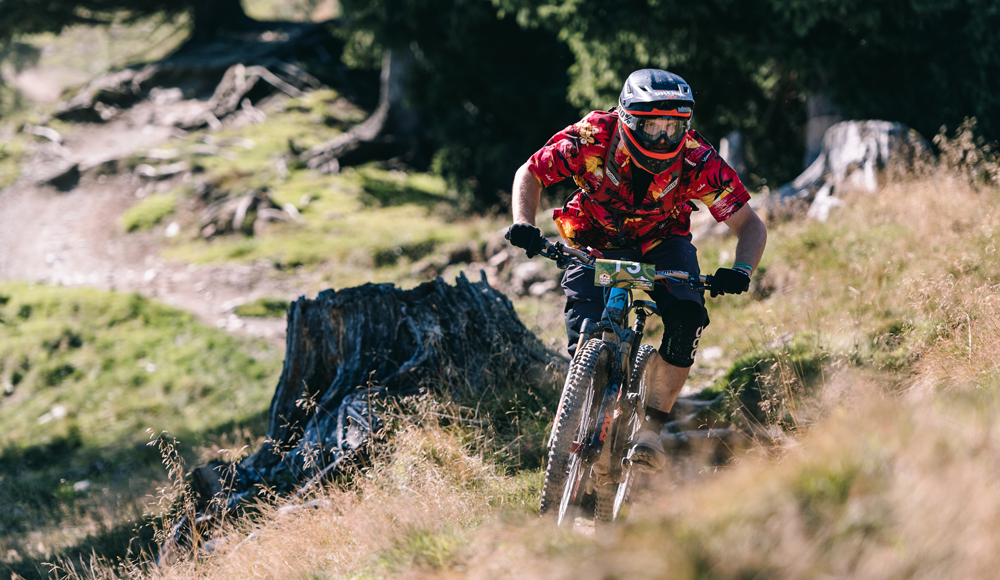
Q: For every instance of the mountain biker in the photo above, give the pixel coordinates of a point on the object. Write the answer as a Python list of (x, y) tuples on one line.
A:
[(638, 167)]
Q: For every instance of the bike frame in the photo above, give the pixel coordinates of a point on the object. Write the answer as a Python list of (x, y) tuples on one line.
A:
[(624, 343)]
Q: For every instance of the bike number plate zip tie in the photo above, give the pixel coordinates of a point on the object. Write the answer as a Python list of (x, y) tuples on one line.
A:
[(624, 274)]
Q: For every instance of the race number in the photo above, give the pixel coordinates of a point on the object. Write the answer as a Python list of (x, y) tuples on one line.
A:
[(622, 274)]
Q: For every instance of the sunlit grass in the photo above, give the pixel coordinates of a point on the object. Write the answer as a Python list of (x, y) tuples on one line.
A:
[(148, 212), (887, 372), (85, 375)]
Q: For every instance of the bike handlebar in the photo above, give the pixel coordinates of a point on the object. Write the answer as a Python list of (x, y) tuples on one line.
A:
[(564, 255)]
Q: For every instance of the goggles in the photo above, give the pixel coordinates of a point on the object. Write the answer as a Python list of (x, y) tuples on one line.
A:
[(655, 128)]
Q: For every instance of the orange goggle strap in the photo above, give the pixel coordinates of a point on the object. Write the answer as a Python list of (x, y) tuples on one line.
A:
[(659, 113)]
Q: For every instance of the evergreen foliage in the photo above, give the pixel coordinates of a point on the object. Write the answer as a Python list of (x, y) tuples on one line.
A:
[(488, 91), (926, 63), (495, 79)]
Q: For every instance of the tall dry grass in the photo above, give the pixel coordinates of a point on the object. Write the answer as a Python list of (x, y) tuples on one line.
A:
[(891, 471), (416, 507)]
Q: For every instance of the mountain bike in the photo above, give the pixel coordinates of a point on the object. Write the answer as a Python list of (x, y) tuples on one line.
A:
[(604, 398)]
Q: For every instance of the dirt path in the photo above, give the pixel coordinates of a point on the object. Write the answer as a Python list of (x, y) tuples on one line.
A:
[(73, 238)]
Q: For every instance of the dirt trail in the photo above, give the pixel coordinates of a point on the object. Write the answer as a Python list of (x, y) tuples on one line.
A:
[(73, 238)]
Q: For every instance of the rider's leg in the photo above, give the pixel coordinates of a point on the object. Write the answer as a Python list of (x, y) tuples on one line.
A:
[(684, 317), (665, 375)]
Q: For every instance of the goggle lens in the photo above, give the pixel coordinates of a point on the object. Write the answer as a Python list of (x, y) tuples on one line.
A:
[(653, 129)]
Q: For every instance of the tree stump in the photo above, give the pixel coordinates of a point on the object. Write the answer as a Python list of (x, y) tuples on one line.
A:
[(852, 156), (348, 353)]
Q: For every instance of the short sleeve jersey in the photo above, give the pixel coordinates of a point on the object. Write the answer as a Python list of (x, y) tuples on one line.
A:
[(605, 215)]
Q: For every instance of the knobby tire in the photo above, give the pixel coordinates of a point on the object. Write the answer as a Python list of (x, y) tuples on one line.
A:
[(575, 421), (613, 499)]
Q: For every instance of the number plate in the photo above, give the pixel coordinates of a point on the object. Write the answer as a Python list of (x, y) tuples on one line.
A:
[(622, 274)]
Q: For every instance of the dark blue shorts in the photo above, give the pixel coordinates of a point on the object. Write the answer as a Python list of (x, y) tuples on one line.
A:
[(584, 300)]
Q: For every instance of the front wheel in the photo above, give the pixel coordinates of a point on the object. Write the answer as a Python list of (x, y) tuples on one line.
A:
[(574, 423), (613, 499)]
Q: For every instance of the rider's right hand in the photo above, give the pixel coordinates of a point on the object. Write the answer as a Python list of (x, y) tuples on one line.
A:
[(527, 237)]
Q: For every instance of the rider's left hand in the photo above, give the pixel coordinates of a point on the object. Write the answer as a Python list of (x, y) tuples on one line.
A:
[(527, 237), (729, 281)]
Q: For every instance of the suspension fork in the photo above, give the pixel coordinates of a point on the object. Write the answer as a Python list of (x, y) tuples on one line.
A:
[(637, 330)]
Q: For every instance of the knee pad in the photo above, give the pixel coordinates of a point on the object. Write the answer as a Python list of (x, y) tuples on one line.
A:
[(683, 322)]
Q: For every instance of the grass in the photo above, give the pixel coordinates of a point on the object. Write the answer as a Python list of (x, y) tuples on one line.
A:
[(864, 367), (10, 156), (886, 395), (85, 375), (371, 222), (149, 212), (264, 307)]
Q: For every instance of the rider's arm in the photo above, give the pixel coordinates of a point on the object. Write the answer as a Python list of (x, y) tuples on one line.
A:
[(527, 191), (751, 235)]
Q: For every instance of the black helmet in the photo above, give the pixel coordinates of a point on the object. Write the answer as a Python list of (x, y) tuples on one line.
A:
[(655, 110)]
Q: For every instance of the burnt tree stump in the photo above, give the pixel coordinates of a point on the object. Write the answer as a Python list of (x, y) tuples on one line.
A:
[(350, 351)]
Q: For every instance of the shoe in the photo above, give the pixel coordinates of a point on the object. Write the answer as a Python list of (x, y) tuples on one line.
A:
[(647, 453)]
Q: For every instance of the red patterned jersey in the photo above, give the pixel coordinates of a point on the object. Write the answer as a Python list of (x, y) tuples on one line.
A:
[(601, 214)]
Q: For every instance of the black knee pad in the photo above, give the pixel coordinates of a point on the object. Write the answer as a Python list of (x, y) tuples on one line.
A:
[(683, 322)]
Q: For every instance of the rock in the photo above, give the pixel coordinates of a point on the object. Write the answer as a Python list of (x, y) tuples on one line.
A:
[(162, 172), (267, 217), (46, 132), (523, 275), (542, 288), (65, 179), (498, 259)]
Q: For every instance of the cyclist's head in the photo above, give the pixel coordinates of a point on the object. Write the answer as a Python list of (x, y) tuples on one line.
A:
[(655, 110)]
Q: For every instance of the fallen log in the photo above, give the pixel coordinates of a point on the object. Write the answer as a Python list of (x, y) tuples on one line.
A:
[(227, 70), (352, 352)]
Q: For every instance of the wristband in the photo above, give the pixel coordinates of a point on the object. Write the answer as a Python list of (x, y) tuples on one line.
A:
[(742, 265)]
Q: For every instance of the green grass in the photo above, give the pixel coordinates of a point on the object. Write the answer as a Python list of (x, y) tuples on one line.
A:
[(264, 307), (11, 152), (88, 377), (149, 212), (369, 221)]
